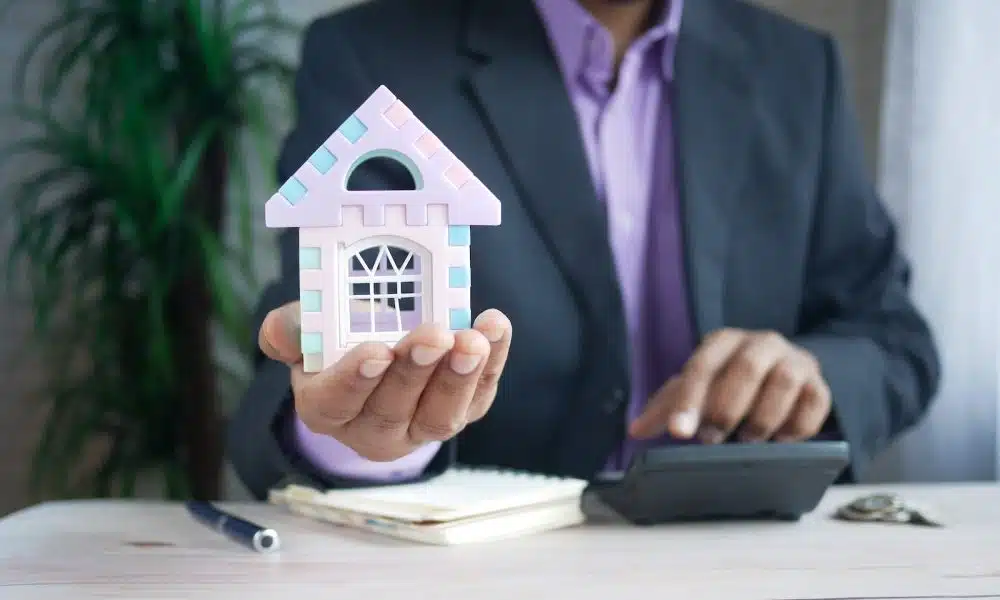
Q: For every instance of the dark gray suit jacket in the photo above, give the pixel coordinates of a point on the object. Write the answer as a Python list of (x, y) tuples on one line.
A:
[(783, 229)]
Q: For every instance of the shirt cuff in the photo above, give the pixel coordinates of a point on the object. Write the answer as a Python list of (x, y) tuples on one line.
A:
[(334, 458)]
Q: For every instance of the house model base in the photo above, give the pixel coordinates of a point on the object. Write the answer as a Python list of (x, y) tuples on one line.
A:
[(375, 264)]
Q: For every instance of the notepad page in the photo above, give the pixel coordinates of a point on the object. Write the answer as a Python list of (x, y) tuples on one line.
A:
[(456, 494)]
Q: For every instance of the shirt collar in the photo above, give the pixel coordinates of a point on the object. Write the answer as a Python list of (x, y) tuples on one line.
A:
[(585, 49)]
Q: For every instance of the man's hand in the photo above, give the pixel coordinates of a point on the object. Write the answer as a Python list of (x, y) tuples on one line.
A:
[(757, 385), (385, 402)]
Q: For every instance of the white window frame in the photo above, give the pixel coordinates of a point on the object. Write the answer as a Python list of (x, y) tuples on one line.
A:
[(349, 337)]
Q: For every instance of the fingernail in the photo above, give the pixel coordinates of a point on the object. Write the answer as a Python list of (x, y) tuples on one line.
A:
[(711, 435), (685, 423), (370, 369), (494, 334), (425, 356), (463, 364), (493, 331)]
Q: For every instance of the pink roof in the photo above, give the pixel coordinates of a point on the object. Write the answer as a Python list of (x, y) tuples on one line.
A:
[(382, 126)]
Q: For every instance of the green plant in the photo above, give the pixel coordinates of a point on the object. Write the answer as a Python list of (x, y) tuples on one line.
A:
[(142, 112)]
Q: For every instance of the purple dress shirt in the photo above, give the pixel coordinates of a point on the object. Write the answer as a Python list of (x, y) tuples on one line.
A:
[(626, 127)]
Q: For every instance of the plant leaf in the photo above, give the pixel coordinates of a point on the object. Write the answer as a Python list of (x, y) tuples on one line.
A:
[(132, 104)]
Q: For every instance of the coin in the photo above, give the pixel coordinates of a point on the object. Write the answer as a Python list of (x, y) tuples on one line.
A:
[(877, 503), (885, 508)]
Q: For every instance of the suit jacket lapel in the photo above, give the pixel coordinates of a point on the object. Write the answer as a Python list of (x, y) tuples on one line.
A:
[(524, 102), (714, 111), (520, 91), (517, 86)]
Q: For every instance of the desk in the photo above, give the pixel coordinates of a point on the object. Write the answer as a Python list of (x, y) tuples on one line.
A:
[(100, 549)]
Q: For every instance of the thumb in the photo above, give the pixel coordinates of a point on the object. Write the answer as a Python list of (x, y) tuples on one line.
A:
[(280, 334)]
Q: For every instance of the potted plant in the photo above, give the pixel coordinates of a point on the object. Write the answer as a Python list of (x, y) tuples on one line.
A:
[(142, 112)]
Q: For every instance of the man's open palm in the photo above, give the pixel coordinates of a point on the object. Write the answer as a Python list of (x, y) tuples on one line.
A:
[(386, 402)]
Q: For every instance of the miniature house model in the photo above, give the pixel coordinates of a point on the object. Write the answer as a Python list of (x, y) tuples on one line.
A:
[(375, 264)]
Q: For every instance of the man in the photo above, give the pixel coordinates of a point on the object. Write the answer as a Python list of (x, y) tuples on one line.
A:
[(691, 250)]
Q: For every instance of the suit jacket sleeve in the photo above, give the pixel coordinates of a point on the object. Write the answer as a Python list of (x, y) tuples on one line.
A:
[(329, 85), (876, 350)]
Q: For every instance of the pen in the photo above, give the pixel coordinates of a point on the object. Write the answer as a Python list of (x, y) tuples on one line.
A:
[(241, 531)]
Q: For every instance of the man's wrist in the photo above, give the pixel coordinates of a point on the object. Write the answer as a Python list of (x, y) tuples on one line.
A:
[(333, 457)]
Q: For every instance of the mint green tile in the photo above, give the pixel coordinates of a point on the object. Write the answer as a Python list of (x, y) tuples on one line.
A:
[(312, 343), (311, 301), (458, 277), (293, 190), (353, 129), (459, 318), (459, 235), (309, 258), (323, 160)]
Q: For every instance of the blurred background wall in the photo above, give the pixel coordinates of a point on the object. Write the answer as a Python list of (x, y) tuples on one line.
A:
[(860, 25)]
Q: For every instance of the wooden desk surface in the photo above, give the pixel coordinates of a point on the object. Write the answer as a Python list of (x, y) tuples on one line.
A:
[(96, 549)]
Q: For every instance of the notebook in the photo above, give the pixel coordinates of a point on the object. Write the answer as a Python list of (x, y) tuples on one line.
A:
[(461, 506)]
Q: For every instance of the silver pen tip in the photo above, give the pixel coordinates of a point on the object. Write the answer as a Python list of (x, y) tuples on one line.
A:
[(266, 540)]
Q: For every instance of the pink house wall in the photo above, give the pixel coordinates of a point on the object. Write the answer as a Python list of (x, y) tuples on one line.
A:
[(439, 296), (436, 216)]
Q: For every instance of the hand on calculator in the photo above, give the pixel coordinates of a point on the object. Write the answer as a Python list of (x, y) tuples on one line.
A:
[(757, 385)]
